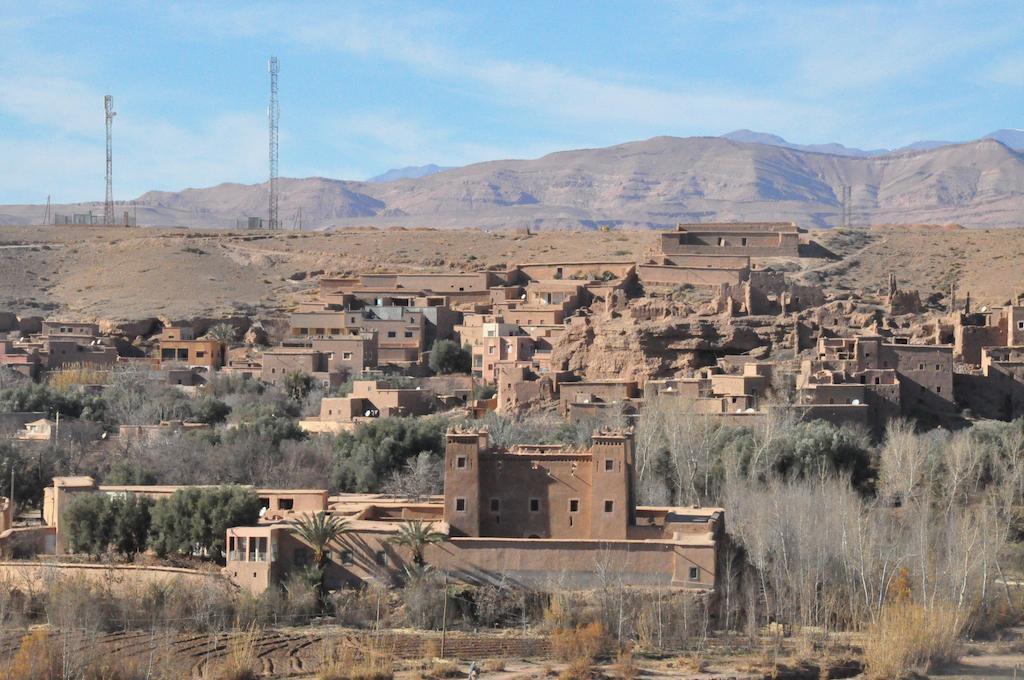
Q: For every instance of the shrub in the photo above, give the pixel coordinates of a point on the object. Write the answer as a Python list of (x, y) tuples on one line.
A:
[(582, 643), (442, 668), (37, 658), (909, 637), (447, 357), (88, 523)]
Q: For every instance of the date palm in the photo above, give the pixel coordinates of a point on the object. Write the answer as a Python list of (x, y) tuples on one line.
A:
[(319, 531), (417, 535)]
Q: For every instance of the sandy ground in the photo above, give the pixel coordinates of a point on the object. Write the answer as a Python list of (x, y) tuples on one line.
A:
[(124, 274)]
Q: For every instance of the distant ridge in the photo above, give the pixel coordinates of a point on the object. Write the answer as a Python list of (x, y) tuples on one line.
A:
[(409, 172), (653, 183), (1011, 138)]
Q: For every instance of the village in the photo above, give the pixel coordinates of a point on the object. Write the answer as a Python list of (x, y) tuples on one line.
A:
[(710, 330)]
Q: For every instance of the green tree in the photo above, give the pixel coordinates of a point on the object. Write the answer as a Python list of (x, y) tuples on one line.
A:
[(365, 458), (210, 410), (37, 397), (88, 523), (194, 521), (447, 357), (416, 535), (298, 385), (131, 523)]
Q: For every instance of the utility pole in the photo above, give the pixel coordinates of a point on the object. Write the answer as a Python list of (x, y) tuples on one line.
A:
[(273, 114), (108, 204), (46, 215)]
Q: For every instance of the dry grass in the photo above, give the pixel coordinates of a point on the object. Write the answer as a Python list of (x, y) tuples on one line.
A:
[(909, 637), (373, 660), (74, 375), (241, 661), (493, 665), (37, 658), (442, 668), (578, 669), (625, 667)]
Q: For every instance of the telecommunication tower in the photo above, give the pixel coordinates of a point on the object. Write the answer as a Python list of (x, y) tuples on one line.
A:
[(108, 203), (273, 113), (846, 204)]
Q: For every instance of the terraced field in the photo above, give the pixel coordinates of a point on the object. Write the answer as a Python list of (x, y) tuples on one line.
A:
[(279, 653)]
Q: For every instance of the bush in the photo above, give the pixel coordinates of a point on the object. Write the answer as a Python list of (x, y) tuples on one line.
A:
[(37, 658), (210, 410), (88, 523), (447, 357), (582, 643), (909, 637)]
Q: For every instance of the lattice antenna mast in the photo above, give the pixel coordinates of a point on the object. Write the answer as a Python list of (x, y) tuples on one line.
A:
[(273, 113), (108, 203)]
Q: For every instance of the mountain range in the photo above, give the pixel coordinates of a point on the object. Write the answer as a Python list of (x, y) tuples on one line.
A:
[(653, 183), (1011, 138)]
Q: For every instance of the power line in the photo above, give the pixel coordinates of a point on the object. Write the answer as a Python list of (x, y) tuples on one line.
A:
[(108, 204), (273, 113)]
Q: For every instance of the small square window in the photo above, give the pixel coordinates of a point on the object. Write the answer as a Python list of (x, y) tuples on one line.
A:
[(534, 505), (694, 573), (347, 557), (391, 334), (408, 334), (609, 464), (609, 506), (460, 461), (285, 503), (1020, 325), (495, 505), (381, 558), (460, 505), (346, 355), (574, 505)]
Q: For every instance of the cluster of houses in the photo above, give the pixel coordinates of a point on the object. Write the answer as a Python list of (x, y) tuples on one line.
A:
[(541, 514)]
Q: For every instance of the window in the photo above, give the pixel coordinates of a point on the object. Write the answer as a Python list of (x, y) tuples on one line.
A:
[(534, 505), (609, 506), (381, 558), (574, 505), (346, 356), (609, 464), (408, 334), (920, 367), (743, 241), (346, 557), (495, 505), (302, 557), (937, 367), (335, 331), (694, 573), (391, 334), (460, 505), (265, 503), (1020, 325), (938, 390), (460, 462), (721, 241), (285, 503)]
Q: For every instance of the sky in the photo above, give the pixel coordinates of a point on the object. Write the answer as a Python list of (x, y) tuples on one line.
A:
[(368, 86)]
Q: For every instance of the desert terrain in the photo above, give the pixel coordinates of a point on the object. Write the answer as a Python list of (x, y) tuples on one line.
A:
[(127, 274)]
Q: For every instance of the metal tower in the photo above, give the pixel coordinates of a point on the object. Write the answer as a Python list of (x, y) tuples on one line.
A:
[(108, 203), (846, 206), (273, 113)]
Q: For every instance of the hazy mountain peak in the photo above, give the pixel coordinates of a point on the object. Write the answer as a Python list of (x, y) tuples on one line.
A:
[(408, 172)]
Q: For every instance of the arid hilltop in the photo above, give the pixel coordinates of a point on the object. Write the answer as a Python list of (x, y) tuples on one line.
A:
[(647, 184), (124, 274)]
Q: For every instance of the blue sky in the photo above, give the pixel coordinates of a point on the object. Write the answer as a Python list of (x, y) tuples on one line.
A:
[(370, 86)]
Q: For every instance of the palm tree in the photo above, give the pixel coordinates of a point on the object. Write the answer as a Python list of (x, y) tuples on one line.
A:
[(416, 535), (319, 531)]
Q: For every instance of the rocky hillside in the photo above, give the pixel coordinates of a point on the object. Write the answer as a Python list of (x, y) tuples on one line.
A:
[(653, 183)]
